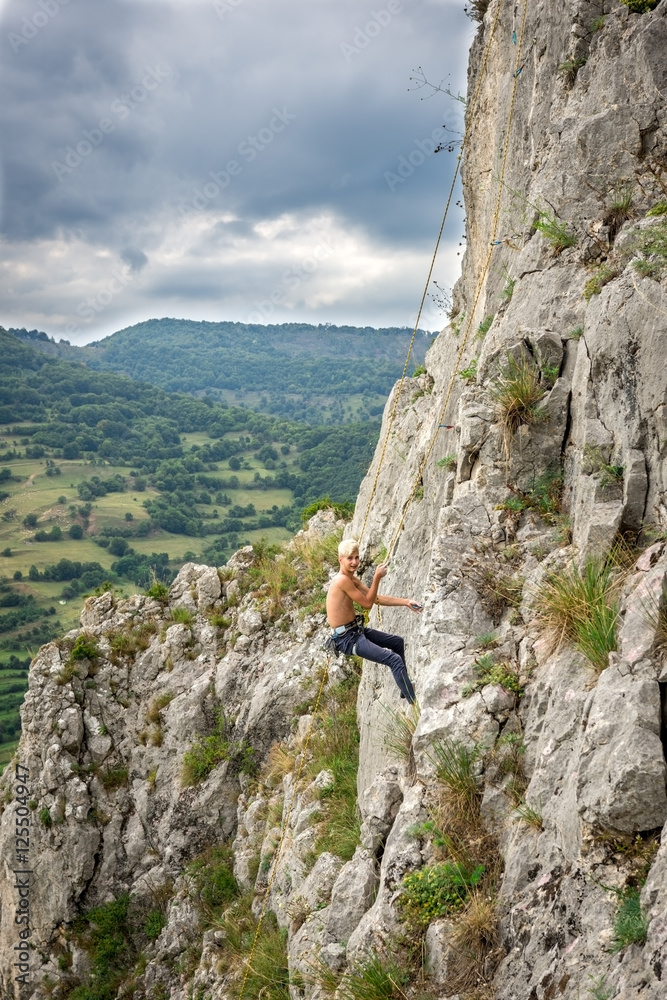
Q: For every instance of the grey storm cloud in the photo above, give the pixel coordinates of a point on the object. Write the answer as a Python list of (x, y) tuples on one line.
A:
[(122, 121)]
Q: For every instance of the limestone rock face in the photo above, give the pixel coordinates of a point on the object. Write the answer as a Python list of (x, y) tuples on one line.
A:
[(477, 513)]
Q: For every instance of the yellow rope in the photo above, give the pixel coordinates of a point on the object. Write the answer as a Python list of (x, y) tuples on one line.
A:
[(469, 117), (285, 825), (480, 285)]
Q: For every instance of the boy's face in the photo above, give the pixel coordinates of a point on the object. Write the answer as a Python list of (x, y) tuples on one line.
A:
[(349, 564)]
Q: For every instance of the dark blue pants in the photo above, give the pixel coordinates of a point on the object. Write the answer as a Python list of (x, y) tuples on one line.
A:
[(380, 647)]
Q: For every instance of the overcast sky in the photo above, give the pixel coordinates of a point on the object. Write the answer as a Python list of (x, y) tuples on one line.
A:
[(224, 160)]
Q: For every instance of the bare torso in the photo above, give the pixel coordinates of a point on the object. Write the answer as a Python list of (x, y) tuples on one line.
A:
[(340, 609)]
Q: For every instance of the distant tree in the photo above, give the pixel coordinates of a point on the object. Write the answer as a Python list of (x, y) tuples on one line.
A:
[(75, 531)]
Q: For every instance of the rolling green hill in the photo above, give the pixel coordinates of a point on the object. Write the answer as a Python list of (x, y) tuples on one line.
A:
[(316, 374)]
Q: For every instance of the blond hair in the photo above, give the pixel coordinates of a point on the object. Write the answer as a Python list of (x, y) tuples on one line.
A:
[(348, 547)]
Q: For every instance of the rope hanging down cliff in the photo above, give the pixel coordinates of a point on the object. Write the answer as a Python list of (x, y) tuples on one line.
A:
[(478, 292), (397, 395)]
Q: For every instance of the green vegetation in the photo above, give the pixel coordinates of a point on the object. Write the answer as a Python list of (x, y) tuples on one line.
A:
[(484, 327), (568, 70), (598, 989), (455, 769), (603, 275), (105, 933), (374, 978), (212, 874), (651, 245), (660, 208), (334, 747), (208, 751), (314, 374), (641, 6), (630, 924), (266, 976), (597, 24), (398, 731), (581, 607), (489, 671), (469, 374), (544, 496), (447, 462), (419, 370), (516, 391), (557, 233), (437, 891)]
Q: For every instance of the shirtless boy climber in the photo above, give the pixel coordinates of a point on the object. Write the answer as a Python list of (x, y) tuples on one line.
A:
[(349, 635)]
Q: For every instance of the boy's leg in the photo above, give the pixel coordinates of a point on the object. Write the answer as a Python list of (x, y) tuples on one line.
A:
[(394, 642), (370, 650)]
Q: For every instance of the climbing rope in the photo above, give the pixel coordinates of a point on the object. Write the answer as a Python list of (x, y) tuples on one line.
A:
[(478, 292), (397, 395), (285, 825), (325, 673)]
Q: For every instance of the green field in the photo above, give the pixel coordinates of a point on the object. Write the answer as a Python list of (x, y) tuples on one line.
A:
[(55, 501)]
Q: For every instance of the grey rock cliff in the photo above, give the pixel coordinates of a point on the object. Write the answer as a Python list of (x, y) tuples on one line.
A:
[(595, 740)]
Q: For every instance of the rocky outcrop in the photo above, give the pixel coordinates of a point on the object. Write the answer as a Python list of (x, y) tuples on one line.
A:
[(105, 739)]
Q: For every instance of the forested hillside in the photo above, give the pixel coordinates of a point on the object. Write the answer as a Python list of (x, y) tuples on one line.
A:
[(315, 374), (107, 480)]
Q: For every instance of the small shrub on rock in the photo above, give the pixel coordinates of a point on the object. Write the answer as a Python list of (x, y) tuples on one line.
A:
[(437, 891)]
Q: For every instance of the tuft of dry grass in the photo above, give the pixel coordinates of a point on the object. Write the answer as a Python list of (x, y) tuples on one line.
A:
[(280, 761), (581, 607), (515, 393), (398, 731)]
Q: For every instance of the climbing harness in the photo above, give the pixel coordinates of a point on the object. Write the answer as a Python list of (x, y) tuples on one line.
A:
[(285, 825), (397, 394)]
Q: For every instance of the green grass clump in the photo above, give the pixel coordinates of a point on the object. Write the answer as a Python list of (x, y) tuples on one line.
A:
[(557, 233), (374, 978), (182, 616), (516, 391), (544, 496), (419, 370), (660, 208), (581, 607), (45, 817), (604, 274), (114, 777), (105, 933), (455, 769), (155, 922), (652, 247), (448, 462), (568, 70), (265, 976), (398, 731), (630, 924), (484, 327), (469, 374), (208, 751), (598, 989), (212, 874), (437, 891), (335, 747)]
